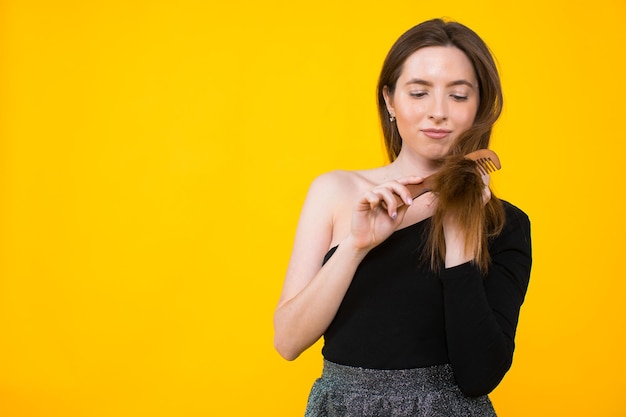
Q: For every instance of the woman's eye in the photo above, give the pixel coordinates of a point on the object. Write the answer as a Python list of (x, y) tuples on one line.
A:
[(418, 94), (459, 97)]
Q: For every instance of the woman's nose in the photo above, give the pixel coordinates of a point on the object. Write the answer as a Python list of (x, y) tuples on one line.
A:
[(438, 111)]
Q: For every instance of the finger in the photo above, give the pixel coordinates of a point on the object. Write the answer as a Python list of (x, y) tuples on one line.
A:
[(486, 179), (389, 200), (369, 201), (384, 198), (403, 194), (394, 196), (486, 190), (373, 200), (410, 180)]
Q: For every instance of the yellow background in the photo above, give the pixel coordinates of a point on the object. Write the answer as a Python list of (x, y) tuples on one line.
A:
[(154, 157)]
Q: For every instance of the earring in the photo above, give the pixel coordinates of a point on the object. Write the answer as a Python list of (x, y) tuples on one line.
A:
[(392, 118)]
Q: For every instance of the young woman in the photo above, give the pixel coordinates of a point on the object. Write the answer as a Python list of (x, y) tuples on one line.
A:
[(417, 300)]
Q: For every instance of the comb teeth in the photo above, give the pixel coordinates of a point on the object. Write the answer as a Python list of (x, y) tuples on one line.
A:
[(486, 160), (486, 165)]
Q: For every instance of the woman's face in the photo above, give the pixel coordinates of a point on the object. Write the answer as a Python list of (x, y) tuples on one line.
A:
[(435, 100)]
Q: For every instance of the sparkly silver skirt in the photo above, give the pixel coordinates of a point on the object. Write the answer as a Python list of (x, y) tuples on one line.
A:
[(344, 391)]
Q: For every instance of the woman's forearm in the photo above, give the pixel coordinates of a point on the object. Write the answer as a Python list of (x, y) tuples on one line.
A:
[(300, 321)]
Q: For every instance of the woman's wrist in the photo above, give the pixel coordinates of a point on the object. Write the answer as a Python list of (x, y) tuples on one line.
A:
[(352, 248), (456, 251)]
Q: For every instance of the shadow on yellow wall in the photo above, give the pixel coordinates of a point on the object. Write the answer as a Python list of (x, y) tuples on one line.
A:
[(155, 155)]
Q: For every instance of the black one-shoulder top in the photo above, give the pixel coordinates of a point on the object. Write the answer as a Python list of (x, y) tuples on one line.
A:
[(398, 314)]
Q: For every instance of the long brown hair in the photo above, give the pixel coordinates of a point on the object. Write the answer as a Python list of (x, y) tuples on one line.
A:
[(479, 222)]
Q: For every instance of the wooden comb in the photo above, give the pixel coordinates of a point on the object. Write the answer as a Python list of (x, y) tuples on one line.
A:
[(486, 161)]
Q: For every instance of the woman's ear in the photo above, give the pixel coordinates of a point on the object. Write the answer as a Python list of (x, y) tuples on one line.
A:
[(389, 101)]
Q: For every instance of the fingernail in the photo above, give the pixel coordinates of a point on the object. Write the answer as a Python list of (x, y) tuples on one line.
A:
[(394, 215), (409, 201)]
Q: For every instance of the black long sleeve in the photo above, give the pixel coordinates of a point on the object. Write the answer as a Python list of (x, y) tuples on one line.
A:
[(481, 313)]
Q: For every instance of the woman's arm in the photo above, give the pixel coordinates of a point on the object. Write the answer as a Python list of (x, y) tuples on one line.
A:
[(482, 312), (312, 293)]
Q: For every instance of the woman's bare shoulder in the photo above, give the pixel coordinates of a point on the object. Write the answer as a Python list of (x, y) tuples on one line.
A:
[(344, 182), (335, 191), (332, 197)]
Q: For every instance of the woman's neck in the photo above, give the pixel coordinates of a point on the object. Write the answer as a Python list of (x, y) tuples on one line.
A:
[(405, 165)]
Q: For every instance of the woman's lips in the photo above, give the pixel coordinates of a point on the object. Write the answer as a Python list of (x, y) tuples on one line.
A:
[(436, 133)]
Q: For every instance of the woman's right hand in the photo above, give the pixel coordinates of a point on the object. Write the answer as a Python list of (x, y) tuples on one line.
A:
[(378, 212)]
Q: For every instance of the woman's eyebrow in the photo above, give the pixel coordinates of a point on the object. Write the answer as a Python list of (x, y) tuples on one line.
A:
[(430, 84), (461, 82), (419, 81)]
